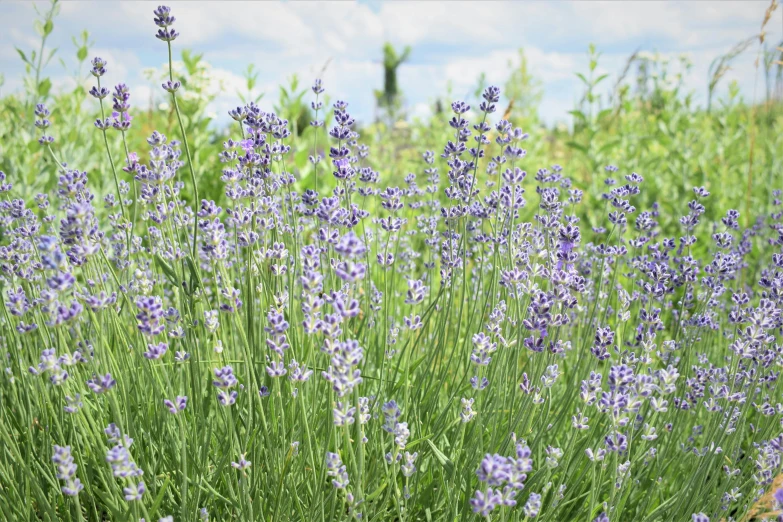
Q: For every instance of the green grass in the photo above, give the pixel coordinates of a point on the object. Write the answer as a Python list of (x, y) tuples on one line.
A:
[(673, 317)]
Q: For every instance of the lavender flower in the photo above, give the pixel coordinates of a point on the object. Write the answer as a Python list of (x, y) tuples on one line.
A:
[(66, 470), (150, 316), (467, 413), (224, 381), (164, 20), (98, 67), (134, 492), (242, 464), (156, 351), (484, 502), (336, 469), (532, 506), (101, 384), (177, 406), (408, 467), (342, 374)]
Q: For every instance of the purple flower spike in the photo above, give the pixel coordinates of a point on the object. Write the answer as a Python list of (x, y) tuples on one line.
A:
[(101, 384), (242, 464), (98, 67), (177, 406), (156, 351), (224, 378), (164, 20), (66, 470), (337, 470)]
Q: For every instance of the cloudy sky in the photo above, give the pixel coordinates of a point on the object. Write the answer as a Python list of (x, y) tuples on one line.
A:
[(453, 42)]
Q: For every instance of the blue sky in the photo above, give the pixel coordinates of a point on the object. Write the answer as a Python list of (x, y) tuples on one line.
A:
[(453, 42)]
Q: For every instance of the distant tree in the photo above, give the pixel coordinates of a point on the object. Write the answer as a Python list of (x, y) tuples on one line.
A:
[(389, 97)]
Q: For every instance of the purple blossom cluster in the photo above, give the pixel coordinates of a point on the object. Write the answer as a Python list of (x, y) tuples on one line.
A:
[(66, 470), (122, 464), (444, 308), (503, 478)]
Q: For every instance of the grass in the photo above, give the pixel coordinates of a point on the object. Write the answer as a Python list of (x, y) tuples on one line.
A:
[(339, 339)]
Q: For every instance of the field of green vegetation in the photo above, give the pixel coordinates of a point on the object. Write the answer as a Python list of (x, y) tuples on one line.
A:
[(299, 316)]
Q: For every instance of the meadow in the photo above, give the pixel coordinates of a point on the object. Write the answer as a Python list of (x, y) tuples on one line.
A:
[(471, 316)]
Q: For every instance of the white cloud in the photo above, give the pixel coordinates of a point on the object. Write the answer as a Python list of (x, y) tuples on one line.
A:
[(453, 42)]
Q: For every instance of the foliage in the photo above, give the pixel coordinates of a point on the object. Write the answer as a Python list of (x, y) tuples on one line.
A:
[(389, 98), (398, 321)]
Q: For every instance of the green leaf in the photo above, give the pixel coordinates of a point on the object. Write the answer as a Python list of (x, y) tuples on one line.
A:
[(375, 494), (194, 277), (81, 53), (167, 269), (106, 501), (44, 87), (23, 56), (609, 145), (51, 54), (604, 113), (48, 27), (415, 364), (579, 115), (159, 498), (447, 464), (577, 146)]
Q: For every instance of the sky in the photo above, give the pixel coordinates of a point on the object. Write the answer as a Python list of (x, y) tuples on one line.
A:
[(453, 43)]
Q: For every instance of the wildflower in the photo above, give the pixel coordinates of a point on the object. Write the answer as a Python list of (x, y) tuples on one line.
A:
[(52, 365), (177, 406), (494, 470), (778, 496), (276, 369), (484, 502), (224, 381), (391, 412), (401, 434), (66, 470), (73, 404), (298, 373), (98, 67), (101, 384), (342, 374), (408, 467), (242, 464), (156, 351), (344, 414), (532, 506), (467, 412), (336, 469), (164, 20), (134, 492), (553, 456), (211, 322), (150, 316)]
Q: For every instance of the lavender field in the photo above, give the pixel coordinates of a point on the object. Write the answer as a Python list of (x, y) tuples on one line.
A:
[(472, 315)]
